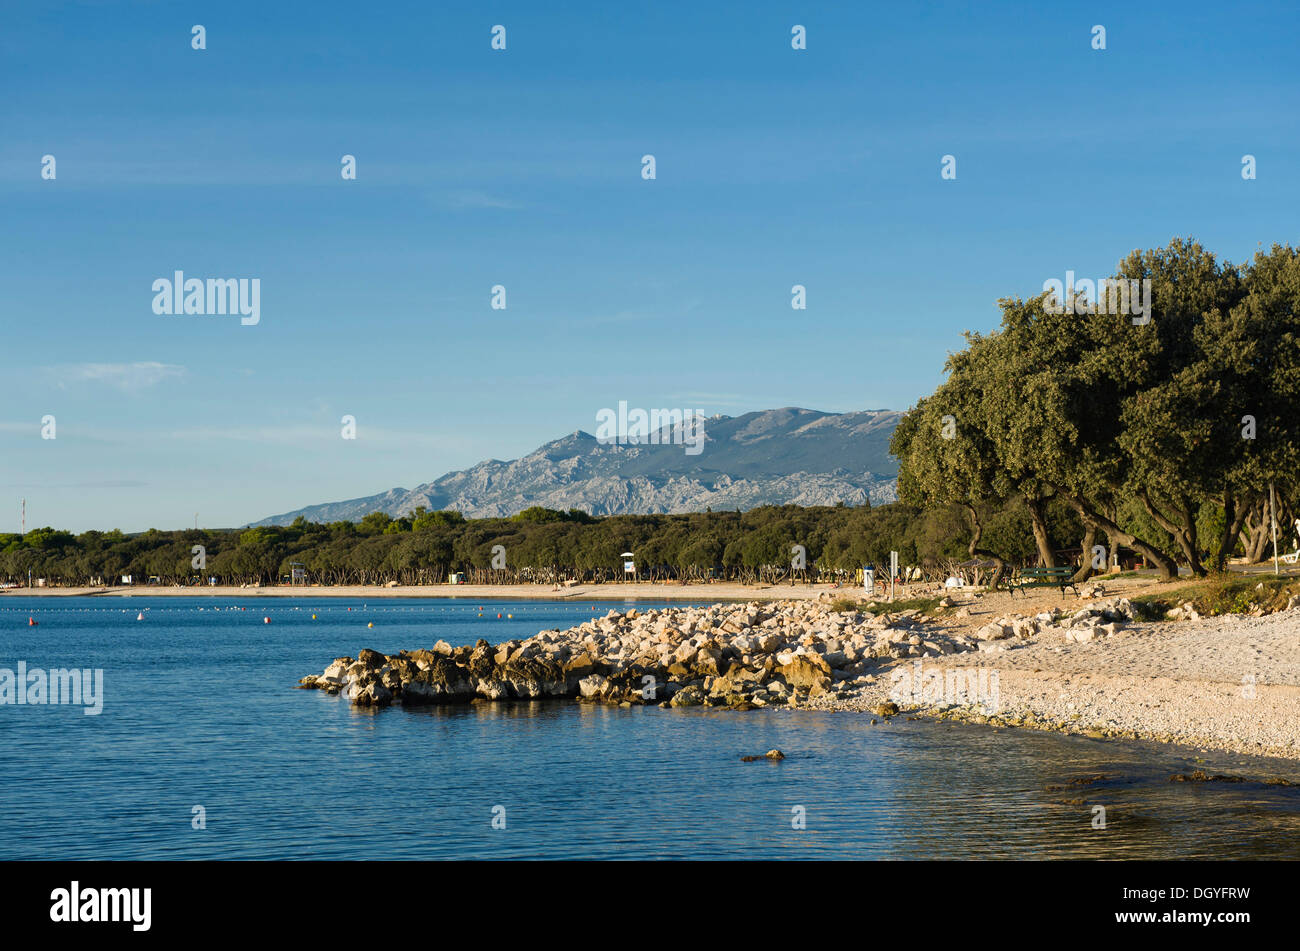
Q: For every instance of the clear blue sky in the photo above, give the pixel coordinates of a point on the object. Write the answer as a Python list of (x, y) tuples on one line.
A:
[(522, 168)]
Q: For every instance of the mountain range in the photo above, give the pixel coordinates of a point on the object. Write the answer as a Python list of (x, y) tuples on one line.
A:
[(773, 457)]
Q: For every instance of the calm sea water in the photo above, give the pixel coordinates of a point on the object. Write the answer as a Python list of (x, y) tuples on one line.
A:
[(200, 709)]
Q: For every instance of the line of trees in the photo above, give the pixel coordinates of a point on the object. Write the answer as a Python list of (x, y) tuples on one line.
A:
[(1162, 436), (547, 546), (540, 545)]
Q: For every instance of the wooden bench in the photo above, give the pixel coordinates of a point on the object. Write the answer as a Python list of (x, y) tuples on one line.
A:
[(1042, 578)]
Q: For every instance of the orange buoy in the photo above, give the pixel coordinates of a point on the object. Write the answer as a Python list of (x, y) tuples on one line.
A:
[(31, 622), (498, 614), (266, 620)]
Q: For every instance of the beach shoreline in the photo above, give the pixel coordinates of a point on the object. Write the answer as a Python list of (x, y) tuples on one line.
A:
[(1229, 683), (1201, 715), (645, 591)]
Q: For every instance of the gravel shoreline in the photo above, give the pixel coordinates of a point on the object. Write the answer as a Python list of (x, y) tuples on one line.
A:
[(1228, 683)]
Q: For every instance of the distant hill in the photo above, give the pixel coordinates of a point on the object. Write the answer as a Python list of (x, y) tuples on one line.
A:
[(774, 457)]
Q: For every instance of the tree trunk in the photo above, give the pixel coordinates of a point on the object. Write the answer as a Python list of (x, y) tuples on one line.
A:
[(1258, 526), (1037, 506), (1085, 563), (1112, 555), (1168, 568), (1184, 533), (1234, 516), (1250, 535), (977, 532)]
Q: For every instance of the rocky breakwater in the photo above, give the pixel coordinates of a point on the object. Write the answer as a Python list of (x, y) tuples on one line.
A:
[(739, 656)]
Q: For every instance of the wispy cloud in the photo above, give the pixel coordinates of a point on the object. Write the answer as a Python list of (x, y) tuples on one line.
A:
[(123, 376), (104, 484), (319, 436)]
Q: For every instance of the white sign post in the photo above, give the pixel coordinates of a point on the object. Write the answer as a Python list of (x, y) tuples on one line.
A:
[(893, 572), (869, 580)]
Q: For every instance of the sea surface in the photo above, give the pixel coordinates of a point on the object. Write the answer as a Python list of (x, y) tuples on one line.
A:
[(201, 710)]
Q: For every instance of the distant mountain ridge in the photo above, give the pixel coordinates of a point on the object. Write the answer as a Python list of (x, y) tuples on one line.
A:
[(773, 457)]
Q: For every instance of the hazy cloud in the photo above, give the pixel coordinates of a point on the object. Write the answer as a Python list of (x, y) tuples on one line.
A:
[(122, 376)]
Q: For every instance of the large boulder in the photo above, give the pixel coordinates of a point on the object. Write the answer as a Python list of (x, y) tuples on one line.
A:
[(442, 681), (805, 670), (371, 659), (995, 632), (368, 693), (338, 670), (531, 678), (690, 696), (482, 662)]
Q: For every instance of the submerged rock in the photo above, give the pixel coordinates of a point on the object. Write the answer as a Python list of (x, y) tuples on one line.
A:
[(1200, 776)]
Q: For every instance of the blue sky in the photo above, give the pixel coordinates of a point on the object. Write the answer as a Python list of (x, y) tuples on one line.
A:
[(523, 168)]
